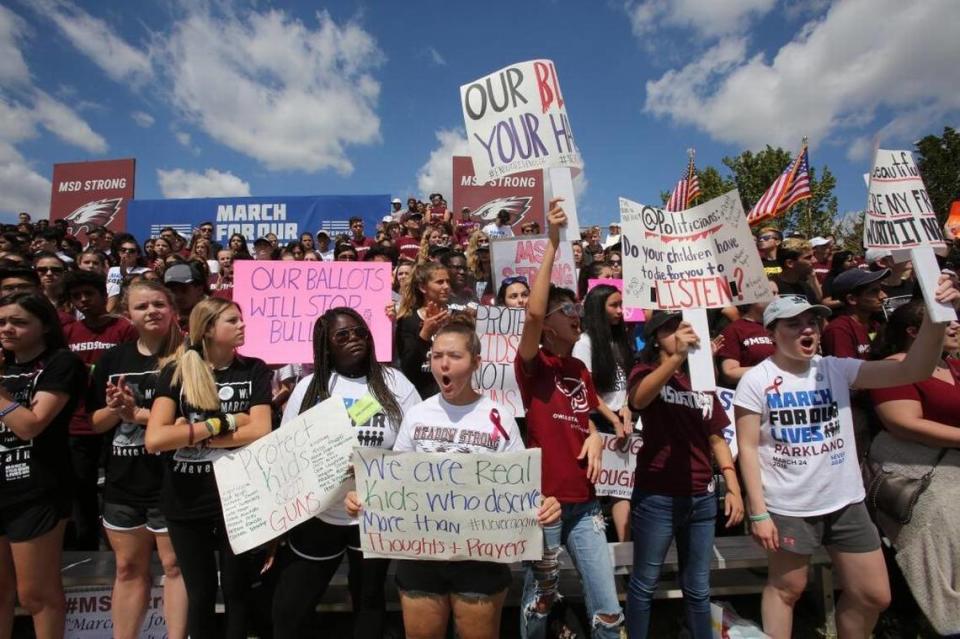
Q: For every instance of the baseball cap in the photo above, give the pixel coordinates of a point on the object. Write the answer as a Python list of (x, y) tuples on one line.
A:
[(819, 241), (387, 218), (396, 200), (854, 278), (616, 223), (181, 274), (324, 233), (787, 306), (658, 319), (874, 254), (409, 215)]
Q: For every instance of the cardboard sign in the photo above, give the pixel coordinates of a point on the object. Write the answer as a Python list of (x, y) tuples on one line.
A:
[(523, 256), (449, 506), (499, 330), (516, 121), (561, 184), (89, 613), (899, 212), (704, 257), (285, 478), (281, 300), (89, 194), (629, 314), (520, 193)]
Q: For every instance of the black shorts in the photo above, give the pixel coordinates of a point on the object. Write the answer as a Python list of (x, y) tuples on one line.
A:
[(124, 517), (470, 579), (317, 540), (31, 519)]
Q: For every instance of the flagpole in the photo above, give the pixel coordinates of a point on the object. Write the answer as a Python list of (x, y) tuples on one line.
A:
[(803, 145)]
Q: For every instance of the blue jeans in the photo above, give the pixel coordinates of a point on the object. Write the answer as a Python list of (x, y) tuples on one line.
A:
[(655, 521), (581, 529)]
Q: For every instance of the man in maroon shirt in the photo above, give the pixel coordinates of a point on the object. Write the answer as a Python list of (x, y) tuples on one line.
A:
[(822, 251), (466, 225), (361, 244), (861, 294), (89, 338), (408, 244)]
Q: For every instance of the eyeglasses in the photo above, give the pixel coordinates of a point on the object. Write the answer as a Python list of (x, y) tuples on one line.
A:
[(569, 309), (515, 279), (764, 238), (206, 229), (344, 335), (43, 270)]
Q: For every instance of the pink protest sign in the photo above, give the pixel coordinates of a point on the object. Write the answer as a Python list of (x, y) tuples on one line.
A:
[(282, 300), (629, 314)]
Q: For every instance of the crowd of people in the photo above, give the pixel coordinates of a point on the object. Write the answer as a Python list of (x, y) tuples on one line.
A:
[(120, 384)]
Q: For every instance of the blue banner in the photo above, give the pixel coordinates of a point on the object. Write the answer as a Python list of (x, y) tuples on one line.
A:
[(255, 217)]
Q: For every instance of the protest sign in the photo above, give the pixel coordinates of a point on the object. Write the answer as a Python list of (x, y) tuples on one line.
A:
[(618, 466), (254, 217), (516, 121), (629, 314), (90, 613), (725, 395), (285, 478), (561, 186), (520, 193), (450, 506), (281, 300), (499, 330), (523, 256), (704, 257), (89, 194)]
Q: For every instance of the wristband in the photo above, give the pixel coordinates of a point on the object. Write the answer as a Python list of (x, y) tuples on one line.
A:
[(758, 518), (231, 420), (213, 426), (12, 406), (189, 434), (723, 468)]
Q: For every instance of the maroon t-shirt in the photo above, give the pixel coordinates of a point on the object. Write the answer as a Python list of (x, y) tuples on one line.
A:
[(821, 270), (408, 247), (435, 214), (747, 342), (558, 395), (939, 400), (844, 336), (464, 230), (675, 458), (89, 344), (362, 246)]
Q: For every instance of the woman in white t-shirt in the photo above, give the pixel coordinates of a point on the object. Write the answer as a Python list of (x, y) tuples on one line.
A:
[(799, 461), (345, 364), (473, 591)]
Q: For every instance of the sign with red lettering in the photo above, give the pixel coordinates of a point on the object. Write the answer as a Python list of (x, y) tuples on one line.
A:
[(89, 194), (499, 329), (285, 478), (516, 120), (520, 193), (523, 256), (704, 257)]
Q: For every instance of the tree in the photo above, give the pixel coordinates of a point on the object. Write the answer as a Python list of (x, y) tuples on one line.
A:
[(938, 158)]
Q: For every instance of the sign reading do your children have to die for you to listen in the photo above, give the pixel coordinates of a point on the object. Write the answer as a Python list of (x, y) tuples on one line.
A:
[(699, 258)]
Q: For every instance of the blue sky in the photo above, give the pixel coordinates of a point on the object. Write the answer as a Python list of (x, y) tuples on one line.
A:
[(232, 98)]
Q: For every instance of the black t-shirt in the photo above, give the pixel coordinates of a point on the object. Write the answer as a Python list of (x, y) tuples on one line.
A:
[(414, 355), (40, 467), (797, 288), (133, 475), (189, 486)]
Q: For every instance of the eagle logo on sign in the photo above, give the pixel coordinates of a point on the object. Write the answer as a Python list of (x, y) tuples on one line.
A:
[(98, 213), (518, 205)]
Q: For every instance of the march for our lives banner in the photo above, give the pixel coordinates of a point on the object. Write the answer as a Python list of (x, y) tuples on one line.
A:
[(254, 217)]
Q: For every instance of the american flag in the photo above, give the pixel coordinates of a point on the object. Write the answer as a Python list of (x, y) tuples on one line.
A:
[(686, 191), (792, 186)]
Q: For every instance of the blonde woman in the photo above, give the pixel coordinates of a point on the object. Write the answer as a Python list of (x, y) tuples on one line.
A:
[(421, 312), (478, 263)]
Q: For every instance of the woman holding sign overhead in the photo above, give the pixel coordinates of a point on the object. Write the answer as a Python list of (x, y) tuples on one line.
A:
[(376, 396), (457, 420), (208, 400)]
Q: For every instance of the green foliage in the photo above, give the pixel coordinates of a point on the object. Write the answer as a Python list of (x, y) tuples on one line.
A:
[(938, 158)]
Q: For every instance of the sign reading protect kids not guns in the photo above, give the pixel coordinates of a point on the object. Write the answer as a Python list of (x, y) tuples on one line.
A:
[(499, 330), (702, 257), (516, 121), (451, 506)]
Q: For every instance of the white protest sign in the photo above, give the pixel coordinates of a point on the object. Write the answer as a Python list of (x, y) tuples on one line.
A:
[(449, 506), (523, 256), (700, 358), (285, 478), (704, 257), (516, 121), (499, 330), (561, 181), (618, 466)]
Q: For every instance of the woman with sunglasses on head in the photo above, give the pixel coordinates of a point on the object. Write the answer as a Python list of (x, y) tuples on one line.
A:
[(514, 292), (208, 400), (39, 377), (121, 394), (345, 364), (421, 312), (795, 406), (473, 591)]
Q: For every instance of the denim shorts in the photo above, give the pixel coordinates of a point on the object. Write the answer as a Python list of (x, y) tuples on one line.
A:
[(849, 529), (471, 579)]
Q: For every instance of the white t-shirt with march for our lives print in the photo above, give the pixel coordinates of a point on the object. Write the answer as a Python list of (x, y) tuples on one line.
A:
[(808, 456)]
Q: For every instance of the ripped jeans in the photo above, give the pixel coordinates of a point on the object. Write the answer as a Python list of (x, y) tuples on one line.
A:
[(581, 529)]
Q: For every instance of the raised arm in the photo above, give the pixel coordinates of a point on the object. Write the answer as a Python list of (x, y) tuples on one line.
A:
[(540, 291)]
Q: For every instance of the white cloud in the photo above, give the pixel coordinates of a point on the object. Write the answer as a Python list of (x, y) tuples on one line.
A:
[(63, 122), (710, 18), (143, 119), (436, 57), (23, 188), (178, 183), (13, 69), (269, 86), (97, 40), (436, 174), (830, 80), (183, 138)]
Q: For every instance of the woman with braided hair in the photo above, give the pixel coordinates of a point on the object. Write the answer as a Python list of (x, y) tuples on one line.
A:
[(345, 364)]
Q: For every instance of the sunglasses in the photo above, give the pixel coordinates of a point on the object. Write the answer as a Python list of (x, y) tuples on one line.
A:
[(207, 229), (515, 279), (344, 335), (43, 270), (123, 249), (570, 309), (764, 238)]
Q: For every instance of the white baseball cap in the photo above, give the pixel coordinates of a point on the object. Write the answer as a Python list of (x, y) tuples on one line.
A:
[(787, 306), (819, 241), (874, 254)]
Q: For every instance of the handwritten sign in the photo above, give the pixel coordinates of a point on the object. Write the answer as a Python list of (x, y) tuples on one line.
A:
[(703, 257), (499, 330), (629, 314), (618, 466), (450, 506), (281, 301), (516, 120), (523, 256), (285, 478), (90, 609)]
